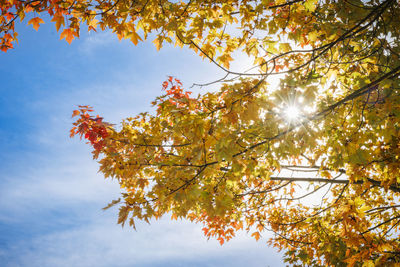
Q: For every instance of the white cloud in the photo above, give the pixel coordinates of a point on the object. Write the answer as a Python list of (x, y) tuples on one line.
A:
[(93, 40), (55, 184), (164, 243), (84, 235), (66, 195)]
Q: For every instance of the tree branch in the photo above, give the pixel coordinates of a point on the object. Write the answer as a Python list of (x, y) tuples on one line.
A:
[(331, 181)]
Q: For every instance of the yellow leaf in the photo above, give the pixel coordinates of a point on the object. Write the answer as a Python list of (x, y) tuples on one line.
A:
[(310, 5), (158, 43), (351, 261), (368, 263), (284, 47), (385, 247), (312, 36), (92, 24), (35, 22)]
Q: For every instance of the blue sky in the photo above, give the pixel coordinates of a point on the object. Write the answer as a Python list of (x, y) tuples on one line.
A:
[(50, 192)]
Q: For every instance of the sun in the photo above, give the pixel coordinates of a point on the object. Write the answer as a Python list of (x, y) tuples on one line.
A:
[(291, 113)]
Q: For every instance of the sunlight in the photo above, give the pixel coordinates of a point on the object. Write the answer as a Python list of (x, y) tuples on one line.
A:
[(291, 113)]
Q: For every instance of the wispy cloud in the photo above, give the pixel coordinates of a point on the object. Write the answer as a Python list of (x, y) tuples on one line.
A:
[(164, 243), (57, 199), (50, 192), (95, 40)]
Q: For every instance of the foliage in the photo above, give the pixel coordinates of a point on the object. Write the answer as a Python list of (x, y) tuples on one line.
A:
[(326, 182)]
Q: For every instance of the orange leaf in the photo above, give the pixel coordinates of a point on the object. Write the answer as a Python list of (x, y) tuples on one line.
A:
[(4, 48), (256, 235), (135, 38), (28, 9), (69, 35), (59, 20), (75, 113), (9, 16), (35, 22)]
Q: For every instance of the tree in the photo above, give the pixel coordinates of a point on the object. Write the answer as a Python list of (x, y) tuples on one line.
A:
[(315, 160)]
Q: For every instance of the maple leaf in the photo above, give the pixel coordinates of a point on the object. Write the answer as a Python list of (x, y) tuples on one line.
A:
[(35, 22), (256, 235), (69, 35), (59, 20)]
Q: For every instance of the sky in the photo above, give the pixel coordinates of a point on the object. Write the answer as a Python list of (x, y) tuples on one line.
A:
[(51, 194)]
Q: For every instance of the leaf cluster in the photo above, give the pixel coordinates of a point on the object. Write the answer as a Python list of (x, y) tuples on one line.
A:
[(327, 184)]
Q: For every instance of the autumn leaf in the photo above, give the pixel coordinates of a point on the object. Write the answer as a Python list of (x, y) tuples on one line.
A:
[(158, 43), (35, 22), (9, 16), (256, 235), (92, 24), (113, 203), (135, 38), (75, 113), (284, 47), (69, 34), (59, 20)]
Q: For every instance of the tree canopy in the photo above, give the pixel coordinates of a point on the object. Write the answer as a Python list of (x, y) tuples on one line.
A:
[(315, 159)]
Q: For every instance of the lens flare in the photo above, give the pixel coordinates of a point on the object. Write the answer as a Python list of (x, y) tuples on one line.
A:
[(291, 113)]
